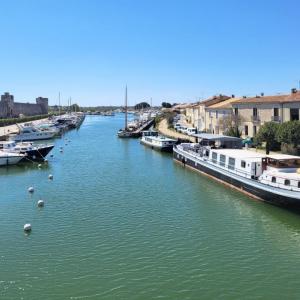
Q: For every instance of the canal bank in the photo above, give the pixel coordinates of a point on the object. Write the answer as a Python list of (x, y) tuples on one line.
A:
[(124, 222)]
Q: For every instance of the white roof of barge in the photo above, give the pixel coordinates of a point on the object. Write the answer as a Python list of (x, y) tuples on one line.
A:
[(244, 154), (240, 153)]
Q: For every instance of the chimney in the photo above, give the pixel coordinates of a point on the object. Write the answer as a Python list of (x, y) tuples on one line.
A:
[(232, 96), (262, 94), (244, 97), (293, 91)]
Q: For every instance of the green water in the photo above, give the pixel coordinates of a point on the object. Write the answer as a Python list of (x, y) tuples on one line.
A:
[(122, 221)]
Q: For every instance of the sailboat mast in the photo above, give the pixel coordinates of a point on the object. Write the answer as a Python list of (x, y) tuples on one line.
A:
[(59, 102), (126, 107)]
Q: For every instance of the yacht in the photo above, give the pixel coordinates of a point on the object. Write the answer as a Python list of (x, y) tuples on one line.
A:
[(271, 178), (7, 158), (30, 133), (155, 141), (33, 152)]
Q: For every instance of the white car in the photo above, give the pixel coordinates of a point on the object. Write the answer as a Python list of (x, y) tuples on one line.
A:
[(191, 131)]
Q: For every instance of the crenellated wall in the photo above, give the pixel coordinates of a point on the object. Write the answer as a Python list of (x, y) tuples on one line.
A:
[(10, 109)]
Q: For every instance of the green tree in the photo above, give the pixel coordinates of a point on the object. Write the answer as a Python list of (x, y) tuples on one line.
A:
[(142, 105), (166, 105), (268, 133), (233, 131), (289, 133), (75, 107)]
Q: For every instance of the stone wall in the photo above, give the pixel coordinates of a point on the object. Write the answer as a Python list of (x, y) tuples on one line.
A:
[(11, 109)]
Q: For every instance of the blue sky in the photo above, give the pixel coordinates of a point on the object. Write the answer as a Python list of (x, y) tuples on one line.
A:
[(168, 50)]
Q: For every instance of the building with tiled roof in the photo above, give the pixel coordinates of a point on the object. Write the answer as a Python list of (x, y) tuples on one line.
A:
[(255, 111)]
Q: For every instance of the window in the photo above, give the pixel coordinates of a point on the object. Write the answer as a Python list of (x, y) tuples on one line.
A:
[(286, 182), (236, 111), (222, 160), (254, 130), (246, 129), (231, 163), (274, 179), (276, 112), (214, 157), (299, 184), (254, 111), (294, 114), (243, 164)]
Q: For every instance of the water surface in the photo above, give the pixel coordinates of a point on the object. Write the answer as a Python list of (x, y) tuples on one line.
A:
[(122, 221)]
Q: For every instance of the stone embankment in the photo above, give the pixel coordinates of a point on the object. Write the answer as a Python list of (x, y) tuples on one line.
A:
[(171, 133)]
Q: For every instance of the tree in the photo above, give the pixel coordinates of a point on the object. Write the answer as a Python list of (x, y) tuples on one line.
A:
[(229, 125), (141, 105), (75, 107), (289, 133), (268, 133), (166, 105)]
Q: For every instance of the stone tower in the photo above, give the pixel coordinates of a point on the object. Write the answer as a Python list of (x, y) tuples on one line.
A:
[(43, 102), (7, 102)]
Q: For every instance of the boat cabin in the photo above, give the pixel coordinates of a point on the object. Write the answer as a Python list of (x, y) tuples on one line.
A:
[(242, 162)]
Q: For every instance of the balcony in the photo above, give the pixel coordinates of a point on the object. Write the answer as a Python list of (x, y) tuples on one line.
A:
[(255, 118), (276, 119)]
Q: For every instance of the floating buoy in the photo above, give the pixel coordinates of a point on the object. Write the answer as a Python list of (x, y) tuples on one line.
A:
[(27, 227), (39, 165), (50, 176), (31, 189), (61, 150), (40, 203), (51, 155)]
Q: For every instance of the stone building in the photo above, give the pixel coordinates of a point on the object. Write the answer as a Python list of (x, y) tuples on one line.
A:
[(219, 116), (11, 109), (254, 112)]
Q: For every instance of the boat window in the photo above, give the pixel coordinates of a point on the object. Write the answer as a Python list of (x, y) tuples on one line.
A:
[(222, 160), (286, 182), (231, 163), (243, 164), (214, 157), (273, 179), (299, 184)]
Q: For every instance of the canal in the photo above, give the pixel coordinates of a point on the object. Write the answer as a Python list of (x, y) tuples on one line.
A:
[(122, 221)]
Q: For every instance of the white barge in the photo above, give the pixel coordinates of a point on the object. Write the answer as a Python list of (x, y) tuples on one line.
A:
[(271, 178), (158, 142)]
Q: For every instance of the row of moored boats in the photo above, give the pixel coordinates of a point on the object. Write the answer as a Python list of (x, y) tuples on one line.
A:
[(20, 145)]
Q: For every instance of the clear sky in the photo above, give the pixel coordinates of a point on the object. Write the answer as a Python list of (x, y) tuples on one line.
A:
[(177, 51)]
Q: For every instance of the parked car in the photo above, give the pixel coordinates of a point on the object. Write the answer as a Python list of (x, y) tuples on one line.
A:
[(191, 131)]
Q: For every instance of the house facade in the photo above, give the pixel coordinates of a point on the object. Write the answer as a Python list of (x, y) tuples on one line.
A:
[(253, 112), (219, 116)]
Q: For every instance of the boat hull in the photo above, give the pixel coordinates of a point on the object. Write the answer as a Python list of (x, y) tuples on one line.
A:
[(252, 191), (37, 154), (10, 160), (158, 148)]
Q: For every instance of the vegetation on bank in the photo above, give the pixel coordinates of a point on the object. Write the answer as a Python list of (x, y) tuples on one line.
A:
[(285, 136), (169, 116), (12, 121)]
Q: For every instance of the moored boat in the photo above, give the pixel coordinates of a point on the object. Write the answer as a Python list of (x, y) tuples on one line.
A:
[(155, 141), (7, 158), (30, 133), (33, 152), (271, 178)]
